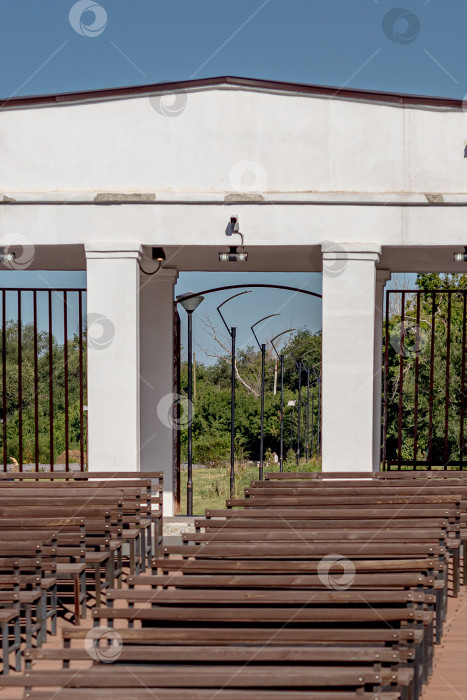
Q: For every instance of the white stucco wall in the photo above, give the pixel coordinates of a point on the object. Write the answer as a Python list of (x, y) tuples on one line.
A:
[(304, 143)]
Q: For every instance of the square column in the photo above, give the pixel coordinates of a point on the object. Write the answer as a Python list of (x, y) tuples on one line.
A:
[(382, 276), (157, 383), (348, 356), (113, 356)]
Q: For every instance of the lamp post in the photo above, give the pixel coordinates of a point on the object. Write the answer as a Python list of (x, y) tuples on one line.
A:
[(291, 404), (318, 384), (312, 421), (281, 360), (307, 418), (299, 409), (190, 305), (262, 347), (318, 451), (232, 331), (300, 365)]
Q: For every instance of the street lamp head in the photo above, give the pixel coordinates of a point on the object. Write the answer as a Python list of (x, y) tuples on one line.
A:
[(189, 305)]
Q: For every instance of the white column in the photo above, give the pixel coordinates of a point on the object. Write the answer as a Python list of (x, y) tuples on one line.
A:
[(382, 276), (158, 430), (113, 356), (348, 360)]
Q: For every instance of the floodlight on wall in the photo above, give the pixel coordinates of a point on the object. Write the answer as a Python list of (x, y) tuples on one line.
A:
[(6, 257), (233, 255), (158, 254), (461, 257)]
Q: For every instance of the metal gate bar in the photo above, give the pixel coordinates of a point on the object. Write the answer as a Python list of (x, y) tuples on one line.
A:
[(414, 362), (48, 381)]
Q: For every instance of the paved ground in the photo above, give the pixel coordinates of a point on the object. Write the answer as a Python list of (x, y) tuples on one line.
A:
[(449, 680)]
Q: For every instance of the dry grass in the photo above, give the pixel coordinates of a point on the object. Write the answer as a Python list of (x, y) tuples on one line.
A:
[(211, 487)]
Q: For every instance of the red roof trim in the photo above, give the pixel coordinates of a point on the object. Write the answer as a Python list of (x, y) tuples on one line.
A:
[(322, 90)]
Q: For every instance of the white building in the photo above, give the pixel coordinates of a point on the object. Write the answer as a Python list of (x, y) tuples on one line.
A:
[(356, 184)]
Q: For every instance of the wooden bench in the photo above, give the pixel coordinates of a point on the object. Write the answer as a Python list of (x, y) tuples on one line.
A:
[(204, 656), (207, 694), (149, 485)]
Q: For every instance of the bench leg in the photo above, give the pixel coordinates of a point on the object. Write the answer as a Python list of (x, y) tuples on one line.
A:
[(430, 648), (84, 609), (97, 583), (5, 648), (132, 557), (138, 548), (53, 610), (17, 637), (43, 605), (439, 616), (109, 570), (157, 536), (456, 565), (28, 627), (149, 545), (76, 579), (142, 538), (120, 567)]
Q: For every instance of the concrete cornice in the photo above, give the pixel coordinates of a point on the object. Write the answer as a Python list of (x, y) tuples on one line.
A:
[(159, 198), (370, 252), (112, 249)]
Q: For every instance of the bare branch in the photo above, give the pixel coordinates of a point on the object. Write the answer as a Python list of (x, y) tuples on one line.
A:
[(212, 331)]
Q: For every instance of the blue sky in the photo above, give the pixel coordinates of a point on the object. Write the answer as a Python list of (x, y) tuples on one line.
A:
[(420, 49), (415, 46)]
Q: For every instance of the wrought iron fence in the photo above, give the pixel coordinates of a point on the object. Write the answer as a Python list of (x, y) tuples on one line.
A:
[(424, 403), (43, 379)]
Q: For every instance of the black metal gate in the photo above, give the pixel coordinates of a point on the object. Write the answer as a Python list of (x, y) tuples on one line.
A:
[(43, 379), (424, 403)]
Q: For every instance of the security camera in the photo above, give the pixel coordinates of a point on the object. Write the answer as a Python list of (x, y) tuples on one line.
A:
[(234, 224)]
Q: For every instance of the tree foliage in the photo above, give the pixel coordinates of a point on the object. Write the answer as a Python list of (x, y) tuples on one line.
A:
[(211, 423)]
